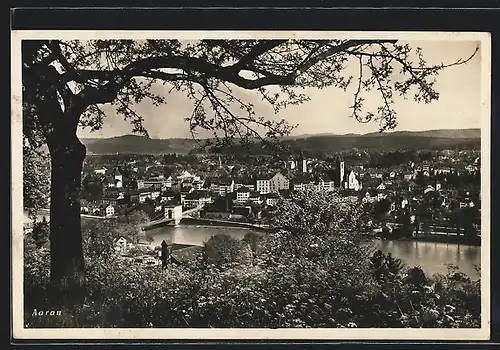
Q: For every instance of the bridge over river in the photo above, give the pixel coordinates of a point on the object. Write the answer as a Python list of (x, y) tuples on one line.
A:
[(173, 219)]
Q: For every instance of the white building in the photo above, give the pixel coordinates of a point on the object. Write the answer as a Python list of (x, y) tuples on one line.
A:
[(110, 211), (122, 245), (173, 211), (404, 203), (438, 186), (100, 171), (143, 195), (263, 185), (242, 195), (353, 183), (269, 184), (186, 175), (118, 179)]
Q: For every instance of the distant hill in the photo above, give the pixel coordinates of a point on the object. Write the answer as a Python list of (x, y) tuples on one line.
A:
[(442, 133), (137, 144), (431, 139)]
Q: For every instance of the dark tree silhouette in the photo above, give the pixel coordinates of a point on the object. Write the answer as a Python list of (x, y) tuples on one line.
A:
[(66, 82)]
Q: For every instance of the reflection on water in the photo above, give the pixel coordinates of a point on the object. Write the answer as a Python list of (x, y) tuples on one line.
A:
[(431, 256), (193, 235)]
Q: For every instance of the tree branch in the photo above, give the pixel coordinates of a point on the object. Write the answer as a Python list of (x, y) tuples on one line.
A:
[(257, 50), (308, 63)]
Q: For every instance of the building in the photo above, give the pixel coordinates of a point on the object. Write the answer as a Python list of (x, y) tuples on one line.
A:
[(279, 182), (144, 195), (156, 182), (263, 184), (404, 203), (196, 199), (168, 195), (272, 199), (122, 245), (353, 182), (254, 196), (197, 185), (222, 186), (101, 171), (110, 210), (269, 184), (155, 193), (304, 165), (302, 181), (324, 183), (248, 183), (110, 199), (118, 179), (408, 175), (109, 181), (187, 176), (370, 197), (243, 194), (173, 210), (375, 173), (186, 191)]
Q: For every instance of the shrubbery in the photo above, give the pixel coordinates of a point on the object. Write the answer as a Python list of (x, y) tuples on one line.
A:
[(313, 272)]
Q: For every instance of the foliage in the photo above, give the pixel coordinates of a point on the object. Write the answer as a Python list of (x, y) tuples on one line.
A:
[(36, 273), (41, 232), (318, 213), (128, 226), (324, 276), (221, 250), (36, 179)]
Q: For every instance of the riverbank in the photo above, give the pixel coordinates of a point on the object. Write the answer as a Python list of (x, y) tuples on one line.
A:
[(451, 239), (212, 223)]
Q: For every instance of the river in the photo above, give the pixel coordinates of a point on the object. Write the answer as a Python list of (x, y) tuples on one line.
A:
[(431, 256)]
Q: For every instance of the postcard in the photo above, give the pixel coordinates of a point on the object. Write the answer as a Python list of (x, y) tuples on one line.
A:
[(197, 185)]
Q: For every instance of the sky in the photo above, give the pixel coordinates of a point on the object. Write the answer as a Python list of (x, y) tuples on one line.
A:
[(328, 111)]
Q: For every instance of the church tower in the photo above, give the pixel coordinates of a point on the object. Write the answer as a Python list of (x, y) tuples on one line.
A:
[(340, 169)]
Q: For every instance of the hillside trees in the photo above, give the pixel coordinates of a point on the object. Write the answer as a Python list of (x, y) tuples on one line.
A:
[(65, 84), (36, 179)]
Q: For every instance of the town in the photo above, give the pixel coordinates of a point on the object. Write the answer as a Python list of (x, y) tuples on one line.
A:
[(431, 191)]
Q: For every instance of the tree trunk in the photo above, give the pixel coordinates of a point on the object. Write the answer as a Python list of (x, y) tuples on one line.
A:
[(66, 251)]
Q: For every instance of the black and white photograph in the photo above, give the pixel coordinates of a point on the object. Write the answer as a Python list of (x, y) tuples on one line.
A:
[(250, 185)]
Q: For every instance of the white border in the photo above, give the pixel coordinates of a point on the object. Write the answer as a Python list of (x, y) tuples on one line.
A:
[(19, 332)]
